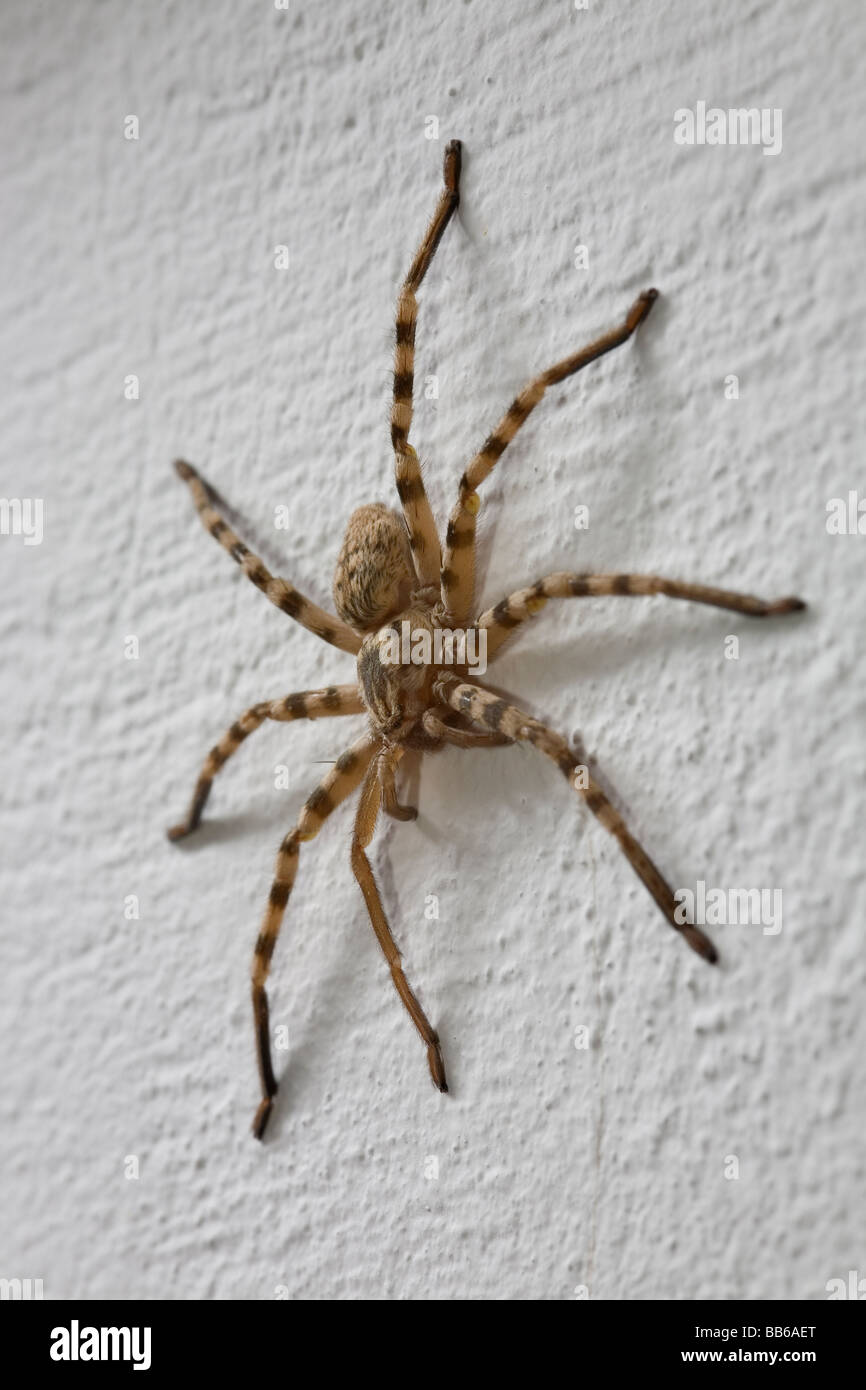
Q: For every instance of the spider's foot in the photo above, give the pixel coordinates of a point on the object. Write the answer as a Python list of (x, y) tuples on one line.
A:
[(452, 166), (437, 1066), (402, 812), (193, 818), (641, 307), (179, 832), (783, 605), (189, 474), (263, 1114), (700, 943)]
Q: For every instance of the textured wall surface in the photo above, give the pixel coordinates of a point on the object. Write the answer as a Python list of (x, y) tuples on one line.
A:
[(707, 1142)]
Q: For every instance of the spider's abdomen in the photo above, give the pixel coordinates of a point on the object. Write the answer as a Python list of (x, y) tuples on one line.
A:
[(374, 570)]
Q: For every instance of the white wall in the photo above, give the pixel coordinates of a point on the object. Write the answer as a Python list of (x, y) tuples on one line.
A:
[(557, 1167)]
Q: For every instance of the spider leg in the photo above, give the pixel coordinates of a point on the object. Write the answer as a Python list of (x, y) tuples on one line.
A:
[(423, 536), (305, 704), (365, 824), (286, 597), (340, 781), (488, 711), (461, 738), (458, 564), (525, 603)]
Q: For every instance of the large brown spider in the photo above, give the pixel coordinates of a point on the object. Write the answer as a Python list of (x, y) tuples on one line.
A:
[(391, 572)]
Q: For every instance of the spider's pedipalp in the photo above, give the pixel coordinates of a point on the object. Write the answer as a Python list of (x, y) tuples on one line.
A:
[(387, 765), (458, 561), (489, 711), (338, 783), (499, 622), (304, 704), (280, 592)]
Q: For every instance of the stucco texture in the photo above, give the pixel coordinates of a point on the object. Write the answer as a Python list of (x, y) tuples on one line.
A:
[(706, 1142)]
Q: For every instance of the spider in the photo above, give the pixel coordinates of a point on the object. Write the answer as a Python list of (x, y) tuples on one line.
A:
[(393, 571)]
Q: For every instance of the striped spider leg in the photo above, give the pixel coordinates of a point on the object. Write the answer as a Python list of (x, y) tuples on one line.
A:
[(510, 612), (286, 597), (457, 576), (337, 784), (501, 719), (304, 704), (423, 536), (496, 715)]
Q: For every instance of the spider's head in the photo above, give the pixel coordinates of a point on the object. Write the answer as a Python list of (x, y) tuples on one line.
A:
[(393, 674)]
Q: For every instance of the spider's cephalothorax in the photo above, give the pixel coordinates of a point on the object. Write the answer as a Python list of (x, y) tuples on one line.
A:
[(396, 590), (396, 692)]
